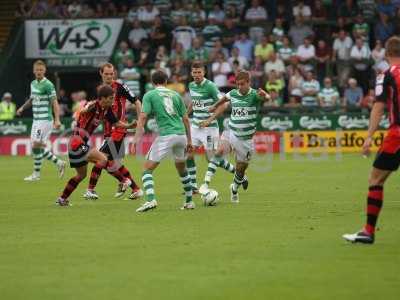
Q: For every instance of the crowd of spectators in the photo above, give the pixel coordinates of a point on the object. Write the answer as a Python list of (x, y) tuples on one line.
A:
[(320, 53)]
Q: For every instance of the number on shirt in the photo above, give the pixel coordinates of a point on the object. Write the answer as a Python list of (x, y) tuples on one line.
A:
[(169, 104)]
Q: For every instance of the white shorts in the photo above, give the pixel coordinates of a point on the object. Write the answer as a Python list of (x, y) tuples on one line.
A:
[(41, 131), (166, 145), (208, 137), (244, 149)]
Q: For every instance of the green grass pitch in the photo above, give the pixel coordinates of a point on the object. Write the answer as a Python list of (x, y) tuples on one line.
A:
[(283, 241)]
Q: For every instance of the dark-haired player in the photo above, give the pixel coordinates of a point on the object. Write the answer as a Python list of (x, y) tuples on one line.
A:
[(79, 151), (113, 145), (387, 160), (174, 139), (204, 94)]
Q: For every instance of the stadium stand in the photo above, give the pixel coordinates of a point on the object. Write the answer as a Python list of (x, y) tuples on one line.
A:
[(324, 39)]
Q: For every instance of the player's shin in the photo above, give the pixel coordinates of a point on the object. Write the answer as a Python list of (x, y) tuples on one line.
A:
[(148, 185), (37, 160), (238, 179), (374, 206), (94, 176), (125, 172), (49, 155), (70, 187), (225, 164), (187, 186), (191, 168), (211, 169)]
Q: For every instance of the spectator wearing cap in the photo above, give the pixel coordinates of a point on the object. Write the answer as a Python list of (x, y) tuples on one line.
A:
[(328, 96), (255, 15), (7, 108), (353, 94), (299, 31), (310, 89), (341, 55), (245, 46)]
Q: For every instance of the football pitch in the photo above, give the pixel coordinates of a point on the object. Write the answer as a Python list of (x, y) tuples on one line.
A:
[(282, 241)]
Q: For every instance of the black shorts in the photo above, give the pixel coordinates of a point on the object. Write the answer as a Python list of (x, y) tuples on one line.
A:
[(113, 149), (78, 157), (387, 161)]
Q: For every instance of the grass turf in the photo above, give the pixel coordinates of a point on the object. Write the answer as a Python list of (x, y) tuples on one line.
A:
[(283, 241)]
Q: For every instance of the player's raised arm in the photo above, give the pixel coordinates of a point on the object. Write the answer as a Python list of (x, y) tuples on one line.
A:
[(27, 104), (218, 111)]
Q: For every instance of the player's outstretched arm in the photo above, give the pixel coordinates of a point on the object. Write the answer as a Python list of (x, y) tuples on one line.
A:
[(376, 116), (219, 111), (27, 104), (186, 123)]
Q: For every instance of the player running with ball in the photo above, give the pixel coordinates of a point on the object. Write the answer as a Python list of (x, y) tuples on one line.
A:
[(79, 151), (175, 138), (387, 160), (245, 103), (43, 100), (204, 94)]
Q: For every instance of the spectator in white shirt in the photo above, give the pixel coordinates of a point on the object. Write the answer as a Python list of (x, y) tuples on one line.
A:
[(220, 70), (306, 54), (341, 55), (217, 13), (137, 34), (256, 14), (360, 55), (184, 34), (274, 63), (302, 10), (148, 13), (235, 56)]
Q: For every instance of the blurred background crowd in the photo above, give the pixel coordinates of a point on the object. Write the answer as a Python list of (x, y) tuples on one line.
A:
[(310, 55)]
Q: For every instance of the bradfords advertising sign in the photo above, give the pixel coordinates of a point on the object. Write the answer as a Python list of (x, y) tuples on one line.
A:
[(64, 39)]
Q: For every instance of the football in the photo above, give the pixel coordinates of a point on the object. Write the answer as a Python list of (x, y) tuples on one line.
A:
[(210, 197)]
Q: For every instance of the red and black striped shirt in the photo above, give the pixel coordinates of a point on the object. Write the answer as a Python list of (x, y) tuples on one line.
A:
[(122, 93), (387, 90), (90, 120)]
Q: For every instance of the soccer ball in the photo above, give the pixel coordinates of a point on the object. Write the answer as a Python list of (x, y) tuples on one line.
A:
[(210, 197)]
